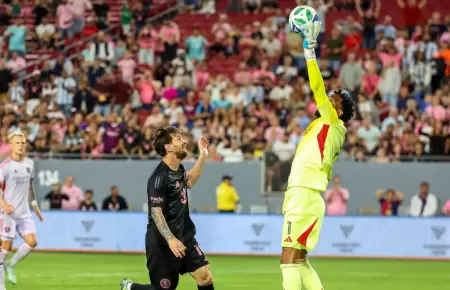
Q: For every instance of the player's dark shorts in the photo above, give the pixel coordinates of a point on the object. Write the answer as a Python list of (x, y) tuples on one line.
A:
[(164, 268)]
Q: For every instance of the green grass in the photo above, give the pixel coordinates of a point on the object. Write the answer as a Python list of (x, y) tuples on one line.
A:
[(103, 272)]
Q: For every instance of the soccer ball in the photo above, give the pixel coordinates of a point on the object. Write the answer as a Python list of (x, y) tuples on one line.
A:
[(300, 16)]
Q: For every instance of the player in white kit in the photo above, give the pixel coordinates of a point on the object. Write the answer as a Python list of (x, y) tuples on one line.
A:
[(16, 176)]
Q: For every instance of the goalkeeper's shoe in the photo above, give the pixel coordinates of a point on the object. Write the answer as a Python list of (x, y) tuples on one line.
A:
[(125, 284), (10, 273)]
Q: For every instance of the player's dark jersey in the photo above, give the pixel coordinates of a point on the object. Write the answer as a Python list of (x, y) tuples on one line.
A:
[(168, 189)]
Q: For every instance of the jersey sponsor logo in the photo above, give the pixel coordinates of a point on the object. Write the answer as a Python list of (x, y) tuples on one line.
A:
[(156, 200), (346, 230), (257, 228), (165, 283), (438, 232), (87, 225)]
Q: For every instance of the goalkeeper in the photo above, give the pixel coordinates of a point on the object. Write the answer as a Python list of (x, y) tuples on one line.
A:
[(303, 206)]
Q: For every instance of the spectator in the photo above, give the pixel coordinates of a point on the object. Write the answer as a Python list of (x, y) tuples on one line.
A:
[(74, 193), (147, 44), (369, 133), (16, 93), (281, 92), (390, 83), (110, 131), (101, 10), (181, 67), (101, 49), (16, 34), (129, 140), (66, 88), (336, 198), (127, 66), (115, 202), (88, 203), (41, 11), (334, 46), (351, 75), (126, 17), (227, 196), (412, 12), (83, 100), (103, 90), (16, 62), (90, 28), (390, 201), (56, 197), (389, 30), (65, 18), (446, 208), (221, 31), (284, 149), (425, 203), (271, 45), (122, 92), (73, 140), (196, 45), (45, 29), (79, 8), (6, 77), (230, 151), (139, 16), (369, 19)]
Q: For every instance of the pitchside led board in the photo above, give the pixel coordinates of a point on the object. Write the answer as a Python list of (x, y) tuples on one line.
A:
[(384, 237)]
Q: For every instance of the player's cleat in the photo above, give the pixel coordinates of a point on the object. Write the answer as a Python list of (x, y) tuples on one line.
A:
[(10, 272), (126, 284)]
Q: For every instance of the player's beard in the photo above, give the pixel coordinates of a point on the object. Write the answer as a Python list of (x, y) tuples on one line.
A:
[(181, 154), (317, 113)]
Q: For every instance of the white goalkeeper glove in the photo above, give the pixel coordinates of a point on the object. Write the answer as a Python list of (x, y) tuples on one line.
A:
[(310, 39)]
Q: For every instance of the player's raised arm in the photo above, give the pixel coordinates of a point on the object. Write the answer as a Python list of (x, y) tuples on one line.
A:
[(315, 77), (194, 174)]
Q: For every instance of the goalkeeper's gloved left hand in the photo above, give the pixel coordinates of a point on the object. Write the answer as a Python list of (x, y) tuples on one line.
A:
[(310, 39)]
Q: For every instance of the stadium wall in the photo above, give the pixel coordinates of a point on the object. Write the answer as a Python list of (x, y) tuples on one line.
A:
[(361, 179), (375, 237)]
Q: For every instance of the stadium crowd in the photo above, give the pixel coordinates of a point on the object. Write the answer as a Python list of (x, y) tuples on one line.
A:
[(108, 100)]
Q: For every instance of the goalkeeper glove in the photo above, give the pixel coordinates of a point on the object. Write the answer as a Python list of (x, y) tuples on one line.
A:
[(310, 39)]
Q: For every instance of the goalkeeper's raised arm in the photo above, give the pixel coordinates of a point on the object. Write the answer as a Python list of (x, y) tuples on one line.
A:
[(337, 107)]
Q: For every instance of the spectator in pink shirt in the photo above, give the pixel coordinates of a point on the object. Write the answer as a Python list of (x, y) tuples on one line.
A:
[(65, 18), (168, 31), (16, 62), (147, 44), (146, 89), (274, 132), (201, 76), (446, 208), (169, 91), (79, 8), (5, 147), (336, 198), (127, 66), (436, 110), (243, 75), (263, 72), (370, 79), (221, 31), (75, 195), (391, 54)]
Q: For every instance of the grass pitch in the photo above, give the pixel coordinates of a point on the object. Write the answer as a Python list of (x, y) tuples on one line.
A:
[(43, 271)]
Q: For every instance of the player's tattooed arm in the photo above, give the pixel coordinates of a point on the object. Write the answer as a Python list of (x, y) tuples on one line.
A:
[(160, 222)]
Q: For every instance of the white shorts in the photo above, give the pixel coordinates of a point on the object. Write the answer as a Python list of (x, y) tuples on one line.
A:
[(22, 226)]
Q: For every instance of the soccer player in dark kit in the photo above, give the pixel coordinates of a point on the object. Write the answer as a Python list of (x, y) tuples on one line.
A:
[(171, 248)]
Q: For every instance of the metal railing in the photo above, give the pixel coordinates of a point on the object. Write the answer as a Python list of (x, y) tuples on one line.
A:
[(27, 72)]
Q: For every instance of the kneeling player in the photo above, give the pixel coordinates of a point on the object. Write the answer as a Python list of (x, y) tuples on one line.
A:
[(17, 174), (171, 247)]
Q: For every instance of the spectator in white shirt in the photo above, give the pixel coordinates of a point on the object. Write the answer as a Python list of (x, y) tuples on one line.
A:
[(283, 148), (232, 153), (281, 92), (45, 28), (16, 93), (271, 45), (369, 133), (425, 203)]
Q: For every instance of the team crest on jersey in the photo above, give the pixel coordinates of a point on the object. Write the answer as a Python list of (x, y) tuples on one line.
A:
[(165, 283), (28, 169), (7, 229), (177, 185)]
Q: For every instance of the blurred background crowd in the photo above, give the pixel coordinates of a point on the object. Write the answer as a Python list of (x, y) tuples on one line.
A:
[(93, 79)]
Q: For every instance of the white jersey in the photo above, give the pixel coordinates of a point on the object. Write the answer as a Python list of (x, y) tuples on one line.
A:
[(16, 177)]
